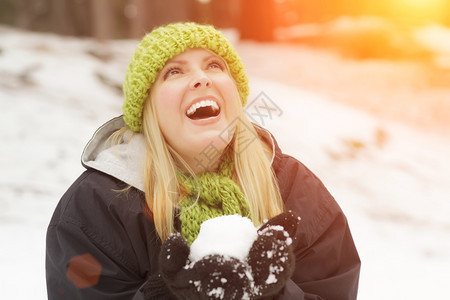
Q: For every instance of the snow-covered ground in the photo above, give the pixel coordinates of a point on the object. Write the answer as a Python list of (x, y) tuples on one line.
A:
[(392, 180)]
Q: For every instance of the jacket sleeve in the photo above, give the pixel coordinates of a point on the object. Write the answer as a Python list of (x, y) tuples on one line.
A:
[(327, 262), (78, 268), (83, 261)]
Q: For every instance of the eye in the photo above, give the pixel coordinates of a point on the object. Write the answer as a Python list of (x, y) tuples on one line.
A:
[(215, 64), (172, 72)]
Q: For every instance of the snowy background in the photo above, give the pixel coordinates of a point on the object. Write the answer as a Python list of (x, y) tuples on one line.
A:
[(375, 131)]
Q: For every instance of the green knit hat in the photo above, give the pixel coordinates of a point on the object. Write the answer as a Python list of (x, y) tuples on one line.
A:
[(160, 45)]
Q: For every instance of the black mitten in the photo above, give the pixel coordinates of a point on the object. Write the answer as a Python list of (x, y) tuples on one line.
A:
[(173, 256), (212, 277), (271, 258), (156, 288)]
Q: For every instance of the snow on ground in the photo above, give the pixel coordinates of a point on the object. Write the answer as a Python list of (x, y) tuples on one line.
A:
[(391, 180)]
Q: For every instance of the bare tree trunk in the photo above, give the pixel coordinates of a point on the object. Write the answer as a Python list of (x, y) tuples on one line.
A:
[(61, 18), (138, 12), (25, 15), (103, 19), (29, 13), (144, 15)]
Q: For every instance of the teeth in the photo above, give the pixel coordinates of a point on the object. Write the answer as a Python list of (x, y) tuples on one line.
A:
[(203, 103)]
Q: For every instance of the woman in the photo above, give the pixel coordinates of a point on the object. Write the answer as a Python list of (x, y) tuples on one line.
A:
[(178, 156)]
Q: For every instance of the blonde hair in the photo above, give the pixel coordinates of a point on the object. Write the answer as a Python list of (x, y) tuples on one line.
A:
[(254, 172)]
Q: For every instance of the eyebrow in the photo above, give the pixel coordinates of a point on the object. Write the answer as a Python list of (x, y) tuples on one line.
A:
[(181, 62)]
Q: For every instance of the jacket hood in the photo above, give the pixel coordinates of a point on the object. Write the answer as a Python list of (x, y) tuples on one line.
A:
[(126, 160)]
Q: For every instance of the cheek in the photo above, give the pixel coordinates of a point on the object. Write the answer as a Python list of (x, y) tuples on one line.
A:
[(167, 97), (166, 92), (167, 101), (226, 85), (231, 95), (164, 110)]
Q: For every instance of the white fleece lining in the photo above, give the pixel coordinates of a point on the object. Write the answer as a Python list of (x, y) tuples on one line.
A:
[(124, 161)]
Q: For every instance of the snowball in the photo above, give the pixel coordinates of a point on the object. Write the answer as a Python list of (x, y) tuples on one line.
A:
[(231, 235)]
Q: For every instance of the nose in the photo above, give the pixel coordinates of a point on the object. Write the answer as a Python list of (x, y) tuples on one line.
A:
[(200, 80)]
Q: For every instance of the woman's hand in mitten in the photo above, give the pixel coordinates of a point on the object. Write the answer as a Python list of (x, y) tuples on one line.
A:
[(155, 287), (271, 258), (173, 256), (211, 277), (260, 273)]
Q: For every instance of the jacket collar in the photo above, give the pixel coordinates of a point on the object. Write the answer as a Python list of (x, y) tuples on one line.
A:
[(126, 160)]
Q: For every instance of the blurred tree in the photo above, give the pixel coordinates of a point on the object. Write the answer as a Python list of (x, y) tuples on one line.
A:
[(103, 19), (60, 16), (143, 15), (136, 11), (223, 14), (65, 14), (8, 12), (202, 11), (32, 15), (257, 19)]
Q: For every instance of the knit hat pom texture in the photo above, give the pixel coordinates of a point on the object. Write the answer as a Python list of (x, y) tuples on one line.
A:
[(160, 45)]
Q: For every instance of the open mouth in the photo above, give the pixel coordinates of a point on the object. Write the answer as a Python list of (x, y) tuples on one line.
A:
[(203, 110)]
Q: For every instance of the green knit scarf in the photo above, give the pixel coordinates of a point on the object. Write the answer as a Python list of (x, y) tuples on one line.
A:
[(218, 195)]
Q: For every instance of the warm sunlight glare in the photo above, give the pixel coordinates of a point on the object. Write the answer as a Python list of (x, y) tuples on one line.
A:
[(430, 10), (421, 2)]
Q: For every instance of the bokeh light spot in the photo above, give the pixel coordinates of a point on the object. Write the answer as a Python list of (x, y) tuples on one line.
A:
[(84, 271)]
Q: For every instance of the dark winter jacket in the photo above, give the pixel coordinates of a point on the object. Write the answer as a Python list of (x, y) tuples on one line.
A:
[(102, 245)]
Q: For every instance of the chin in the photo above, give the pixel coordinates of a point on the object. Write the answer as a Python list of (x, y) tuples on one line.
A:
[(217, 138)]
